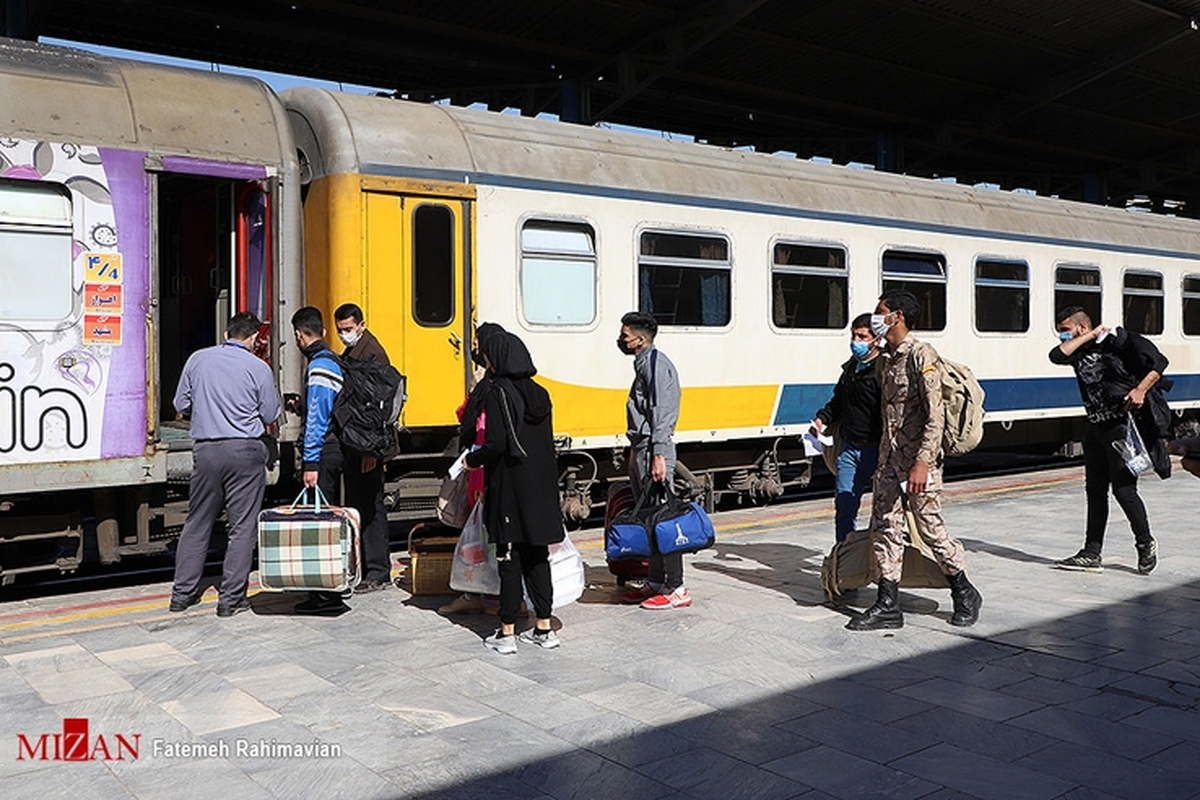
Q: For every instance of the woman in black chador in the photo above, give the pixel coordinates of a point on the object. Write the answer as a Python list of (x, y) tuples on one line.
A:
[(521, 508)]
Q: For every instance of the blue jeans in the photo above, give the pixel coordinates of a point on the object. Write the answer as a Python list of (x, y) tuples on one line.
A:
[(855, 467)]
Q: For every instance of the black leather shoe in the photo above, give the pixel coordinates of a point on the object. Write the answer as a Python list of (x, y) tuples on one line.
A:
[(885, 614), (236, 608), (967, 601), (185, 603)]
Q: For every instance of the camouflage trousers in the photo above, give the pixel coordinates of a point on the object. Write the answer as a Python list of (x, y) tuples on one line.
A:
[(889, 526)]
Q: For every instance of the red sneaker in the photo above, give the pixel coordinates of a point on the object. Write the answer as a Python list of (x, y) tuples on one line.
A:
[(676, 599)]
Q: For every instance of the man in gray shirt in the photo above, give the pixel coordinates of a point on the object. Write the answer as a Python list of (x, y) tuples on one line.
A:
[(230, 395), (652, 411)]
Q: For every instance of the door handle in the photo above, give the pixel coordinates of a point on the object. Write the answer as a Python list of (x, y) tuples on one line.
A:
[(455, 341)]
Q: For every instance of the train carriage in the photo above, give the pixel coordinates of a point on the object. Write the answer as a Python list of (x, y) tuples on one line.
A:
[(753, 264), (140, 206)]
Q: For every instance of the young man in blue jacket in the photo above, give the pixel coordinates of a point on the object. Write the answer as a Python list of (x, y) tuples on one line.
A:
[(323, 381)]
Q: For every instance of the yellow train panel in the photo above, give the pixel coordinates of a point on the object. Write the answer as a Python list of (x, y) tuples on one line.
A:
[(584, 411)]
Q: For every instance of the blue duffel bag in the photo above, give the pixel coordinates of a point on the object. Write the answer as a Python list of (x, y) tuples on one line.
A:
[(679, 526), (670, 526)]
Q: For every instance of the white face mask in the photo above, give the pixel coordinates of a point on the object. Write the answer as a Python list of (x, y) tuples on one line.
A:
[(350, 338), (878, 325)]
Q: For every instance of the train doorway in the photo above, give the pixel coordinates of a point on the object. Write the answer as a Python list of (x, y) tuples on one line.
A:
[(417, 298), (214, 259)]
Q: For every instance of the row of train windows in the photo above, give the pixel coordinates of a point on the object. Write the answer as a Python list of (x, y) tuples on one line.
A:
[(684, 279)]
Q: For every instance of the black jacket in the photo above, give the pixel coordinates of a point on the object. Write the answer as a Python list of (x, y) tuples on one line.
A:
[(521, 500), (855, 405), (1107, 370)]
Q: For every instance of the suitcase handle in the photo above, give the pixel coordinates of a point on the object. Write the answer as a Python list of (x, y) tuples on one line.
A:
[(318, 498)]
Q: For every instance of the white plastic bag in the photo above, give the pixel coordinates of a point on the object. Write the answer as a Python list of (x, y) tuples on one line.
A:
[(1132, 449), (475, 568), (566, 574)]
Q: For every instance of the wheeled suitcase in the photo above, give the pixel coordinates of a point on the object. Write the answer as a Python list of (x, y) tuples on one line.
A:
[(620, 498), (309, 547)]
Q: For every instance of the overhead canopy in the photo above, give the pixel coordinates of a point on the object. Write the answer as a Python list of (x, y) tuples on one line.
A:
[(1088, 99)]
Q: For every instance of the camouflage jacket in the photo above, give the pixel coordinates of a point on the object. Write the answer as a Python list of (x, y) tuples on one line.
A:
[(910, 380)]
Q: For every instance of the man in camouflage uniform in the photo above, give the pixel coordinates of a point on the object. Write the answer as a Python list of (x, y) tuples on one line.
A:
[(910, 465)]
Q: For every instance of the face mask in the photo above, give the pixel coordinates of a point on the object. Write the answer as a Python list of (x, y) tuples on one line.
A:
[(477, 359), (878, 326), (860, 349), (350, 338), (624, 347), (1065, 336)]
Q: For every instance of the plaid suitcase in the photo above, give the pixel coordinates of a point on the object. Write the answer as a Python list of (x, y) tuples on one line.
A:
[(308, 547)]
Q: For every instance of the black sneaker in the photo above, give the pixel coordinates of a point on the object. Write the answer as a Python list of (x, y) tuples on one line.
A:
[(183, 604), (236, 608), (1083, 561), (1147, 557), (367, 585)]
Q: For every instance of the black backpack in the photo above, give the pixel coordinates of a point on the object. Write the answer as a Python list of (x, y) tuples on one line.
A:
[(367, 409)]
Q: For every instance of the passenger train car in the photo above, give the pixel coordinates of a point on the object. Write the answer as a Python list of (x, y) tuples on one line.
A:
[(144, 204), (140, 206)]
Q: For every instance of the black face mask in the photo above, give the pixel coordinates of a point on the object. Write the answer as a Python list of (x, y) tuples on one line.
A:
[(624, 347), (477, 359)]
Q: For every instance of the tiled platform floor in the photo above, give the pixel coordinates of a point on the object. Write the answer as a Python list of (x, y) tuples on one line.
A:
[(1071, 686)]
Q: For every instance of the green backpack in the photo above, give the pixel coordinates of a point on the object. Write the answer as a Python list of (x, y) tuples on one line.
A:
[(962, 399)]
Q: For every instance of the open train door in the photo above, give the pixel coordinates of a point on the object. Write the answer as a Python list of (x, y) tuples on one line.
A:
[(418, 298)]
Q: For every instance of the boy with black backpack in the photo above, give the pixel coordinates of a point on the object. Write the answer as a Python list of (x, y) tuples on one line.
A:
[(361, 472)]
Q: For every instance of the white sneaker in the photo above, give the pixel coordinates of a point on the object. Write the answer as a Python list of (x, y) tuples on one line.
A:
[(547, 641), (504, 645)]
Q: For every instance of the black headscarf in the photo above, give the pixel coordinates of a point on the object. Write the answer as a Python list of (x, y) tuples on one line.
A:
[(511, 373)]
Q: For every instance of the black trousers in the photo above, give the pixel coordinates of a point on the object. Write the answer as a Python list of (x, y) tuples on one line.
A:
[(364, 492), (525, 565), (1103, 468)]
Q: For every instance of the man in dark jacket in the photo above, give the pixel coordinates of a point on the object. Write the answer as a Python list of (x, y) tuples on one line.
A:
[(854, 408), (1115, 370), (521, 496), (361, 475)]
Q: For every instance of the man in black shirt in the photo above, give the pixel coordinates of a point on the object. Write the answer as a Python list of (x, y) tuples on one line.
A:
[(1115, 369), (854, 408)]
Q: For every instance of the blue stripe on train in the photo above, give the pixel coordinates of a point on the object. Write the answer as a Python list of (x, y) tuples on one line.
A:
[(799, 402)]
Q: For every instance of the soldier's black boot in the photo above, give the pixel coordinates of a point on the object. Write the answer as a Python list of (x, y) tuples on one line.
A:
[(967, 600), (885, 614)]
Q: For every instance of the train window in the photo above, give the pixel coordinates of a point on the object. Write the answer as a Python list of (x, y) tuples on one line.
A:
[(433, 265), (36, 240), (809, 286), (1001, 296), (558, 273), (923, 274), (1142, 302), (1078, 286), (683, 279), (1191, 304)]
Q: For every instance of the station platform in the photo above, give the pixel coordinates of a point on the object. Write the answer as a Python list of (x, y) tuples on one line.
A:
[(1071, 685)]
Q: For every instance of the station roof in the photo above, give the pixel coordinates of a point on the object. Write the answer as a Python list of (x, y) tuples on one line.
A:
[(1087, 99)]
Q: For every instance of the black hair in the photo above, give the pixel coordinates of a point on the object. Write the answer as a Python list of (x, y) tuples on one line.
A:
[(861, 321), (309, 320), (242, 326), (642, 323), (1070, 311), (906, 303), (348, 311)]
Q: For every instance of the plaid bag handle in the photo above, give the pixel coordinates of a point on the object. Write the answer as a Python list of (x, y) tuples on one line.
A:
[(318, 498)]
